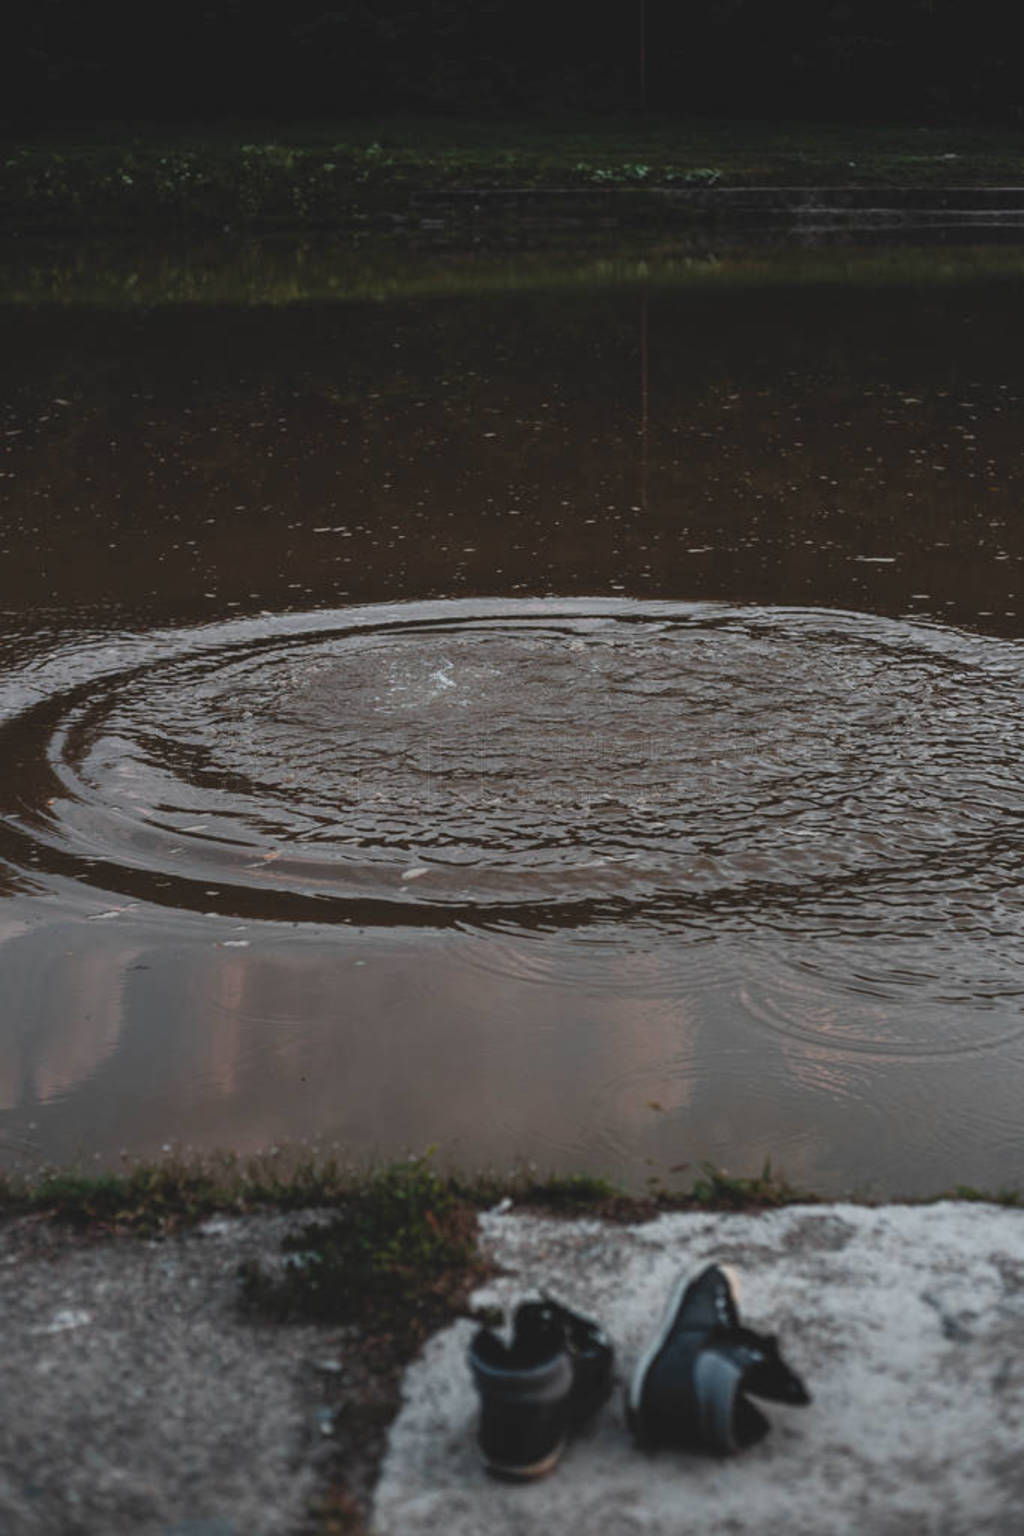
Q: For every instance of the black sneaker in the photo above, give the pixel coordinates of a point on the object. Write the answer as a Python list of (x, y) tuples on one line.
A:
[(688, 1388), (538, 1389)]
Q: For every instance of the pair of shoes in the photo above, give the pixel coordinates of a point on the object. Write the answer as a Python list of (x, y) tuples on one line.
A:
[(689, 1389), (536, 1390)]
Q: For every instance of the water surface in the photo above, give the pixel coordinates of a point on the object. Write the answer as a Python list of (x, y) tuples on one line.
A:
[(576, 722)]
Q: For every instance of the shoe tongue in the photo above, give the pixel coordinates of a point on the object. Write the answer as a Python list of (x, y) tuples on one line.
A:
[(538, 1334), (581, 1334), (709, 1301)]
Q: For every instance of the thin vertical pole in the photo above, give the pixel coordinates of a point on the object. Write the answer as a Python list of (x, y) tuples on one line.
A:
[(643, 55), (643, 402)]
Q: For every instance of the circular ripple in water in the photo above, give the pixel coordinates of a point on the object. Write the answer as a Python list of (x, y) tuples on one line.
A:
[(537, 764)]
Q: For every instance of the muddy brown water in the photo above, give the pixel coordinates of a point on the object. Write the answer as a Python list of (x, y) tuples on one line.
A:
[(579, 725)]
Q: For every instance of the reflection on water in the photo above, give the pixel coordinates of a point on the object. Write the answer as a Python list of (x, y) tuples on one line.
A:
[(319, 816)]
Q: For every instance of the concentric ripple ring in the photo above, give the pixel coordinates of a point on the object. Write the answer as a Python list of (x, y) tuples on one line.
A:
[(541, 763)]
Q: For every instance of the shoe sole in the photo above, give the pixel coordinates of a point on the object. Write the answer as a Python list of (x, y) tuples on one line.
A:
[(526, 1474), (654, 1348)]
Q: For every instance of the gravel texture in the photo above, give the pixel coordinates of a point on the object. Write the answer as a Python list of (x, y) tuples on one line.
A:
[(137, 1400)]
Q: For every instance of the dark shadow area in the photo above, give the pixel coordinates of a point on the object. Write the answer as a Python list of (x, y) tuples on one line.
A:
[(214, 59)]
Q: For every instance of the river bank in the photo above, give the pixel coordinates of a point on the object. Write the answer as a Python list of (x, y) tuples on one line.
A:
[(153, 1401), (200, 1356), (251, 176)]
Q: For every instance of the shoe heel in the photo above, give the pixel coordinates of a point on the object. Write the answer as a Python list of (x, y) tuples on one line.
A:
[(521, 1442), (524, 1411)]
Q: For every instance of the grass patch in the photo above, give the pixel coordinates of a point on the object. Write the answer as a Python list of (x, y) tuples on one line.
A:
[(1008, 1197), (277, 272), (406, 1217), (148, 1200), (178, 1192), (714, 1189), (399, 1253), (575, 1195), (572, 1192)]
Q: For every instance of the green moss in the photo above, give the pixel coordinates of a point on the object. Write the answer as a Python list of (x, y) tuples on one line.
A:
[(145, 1200), (1012, 1197), (406, 1216), (721, 1191), (176, 1192), (280, 272), (398, 1253), (570, 1193), (710, 1188)]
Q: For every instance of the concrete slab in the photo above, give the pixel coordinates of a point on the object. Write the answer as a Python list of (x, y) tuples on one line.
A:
[(906, 1322), (136, 1402)]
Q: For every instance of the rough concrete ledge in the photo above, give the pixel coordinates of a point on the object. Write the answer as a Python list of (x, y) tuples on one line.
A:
[(137, 1401), (906, 1322)]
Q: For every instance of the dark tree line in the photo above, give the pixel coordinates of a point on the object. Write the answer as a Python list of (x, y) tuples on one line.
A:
[(213, 59)]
